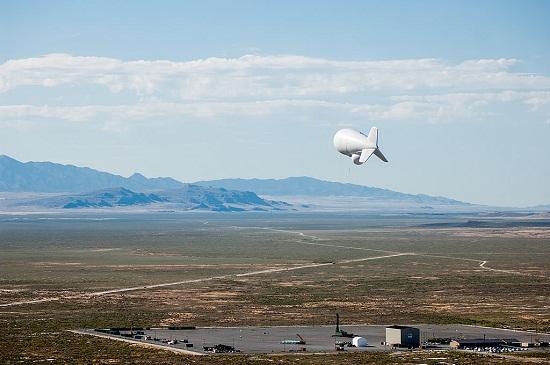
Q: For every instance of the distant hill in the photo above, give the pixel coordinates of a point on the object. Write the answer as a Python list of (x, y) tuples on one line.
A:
[(70, 186), (541, 207), (310, 187), (98, 199), (188, 197), (51, 177)]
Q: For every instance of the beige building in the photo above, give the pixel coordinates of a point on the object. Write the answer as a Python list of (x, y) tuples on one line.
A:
[(402, 336)]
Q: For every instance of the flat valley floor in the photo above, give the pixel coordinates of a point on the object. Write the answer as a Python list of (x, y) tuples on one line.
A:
[(60, 273)]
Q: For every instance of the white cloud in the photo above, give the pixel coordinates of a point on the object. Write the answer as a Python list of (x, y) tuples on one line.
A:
[(255, 86), (151, 110), (254, 76), (426, 108), (470, 103)]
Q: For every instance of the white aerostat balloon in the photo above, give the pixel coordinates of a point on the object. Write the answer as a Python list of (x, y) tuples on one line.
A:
[(356, 145)]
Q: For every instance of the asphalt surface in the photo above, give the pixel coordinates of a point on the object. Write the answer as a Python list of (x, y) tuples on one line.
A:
[(318, 338)]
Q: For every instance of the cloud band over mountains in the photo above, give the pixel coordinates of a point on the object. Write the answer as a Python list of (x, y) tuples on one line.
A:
[(252, 86)]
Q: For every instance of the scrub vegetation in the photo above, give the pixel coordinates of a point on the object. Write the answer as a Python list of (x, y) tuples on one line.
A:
[(441, 279)]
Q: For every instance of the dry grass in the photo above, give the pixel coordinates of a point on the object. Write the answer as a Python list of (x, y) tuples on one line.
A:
[(441, 283)]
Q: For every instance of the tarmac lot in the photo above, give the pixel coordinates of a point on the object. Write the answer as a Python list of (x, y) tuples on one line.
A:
[(318, 338)]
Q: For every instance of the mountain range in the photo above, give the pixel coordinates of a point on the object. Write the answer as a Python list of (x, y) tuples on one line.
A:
[(308, 186), (52, 177), (47, 185), (188, 197), (70, 186)]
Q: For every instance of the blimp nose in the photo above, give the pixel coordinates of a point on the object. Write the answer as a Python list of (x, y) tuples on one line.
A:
[(339, 142)]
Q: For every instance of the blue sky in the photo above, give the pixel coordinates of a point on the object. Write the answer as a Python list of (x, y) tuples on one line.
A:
[(460, 90)]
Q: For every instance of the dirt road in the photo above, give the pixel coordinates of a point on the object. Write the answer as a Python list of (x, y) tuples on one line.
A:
[(191, 281)]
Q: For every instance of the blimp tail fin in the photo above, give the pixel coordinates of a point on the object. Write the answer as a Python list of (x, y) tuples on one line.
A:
[(372, 138), (373, 141), (380, 155), (365, 154)]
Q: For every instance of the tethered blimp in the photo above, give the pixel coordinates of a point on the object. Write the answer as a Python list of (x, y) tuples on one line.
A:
[(356, 145)]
